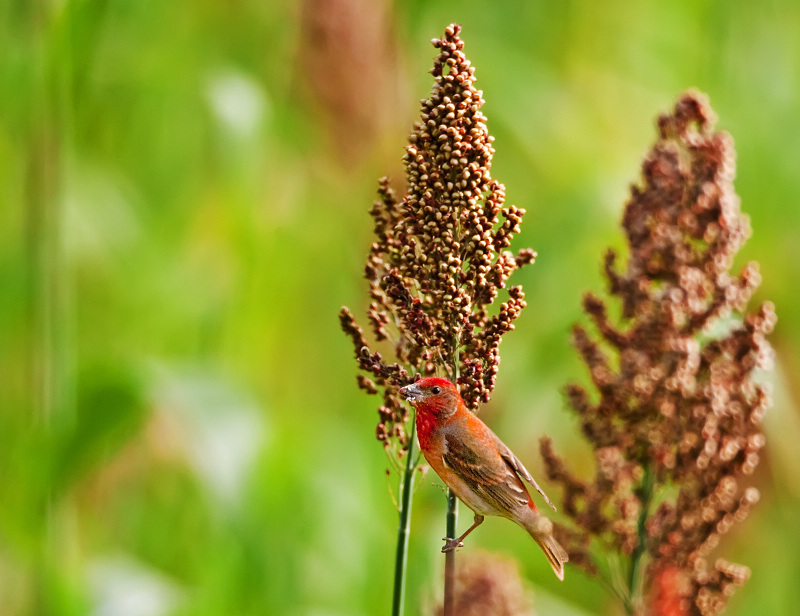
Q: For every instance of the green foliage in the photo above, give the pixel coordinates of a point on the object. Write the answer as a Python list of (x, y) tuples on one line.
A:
[(184, 208)]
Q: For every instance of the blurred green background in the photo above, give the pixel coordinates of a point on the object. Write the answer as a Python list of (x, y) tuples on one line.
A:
[(184, 190)]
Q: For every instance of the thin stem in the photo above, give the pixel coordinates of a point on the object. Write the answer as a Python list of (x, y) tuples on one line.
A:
[(635, 573), (451, 521), (404, 528), (450, 557)]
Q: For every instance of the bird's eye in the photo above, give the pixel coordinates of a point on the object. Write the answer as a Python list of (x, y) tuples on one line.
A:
[(436, 390)]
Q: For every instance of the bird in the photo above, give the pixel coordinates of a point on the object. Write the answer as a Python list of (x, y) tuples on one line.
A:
[(477, 466)]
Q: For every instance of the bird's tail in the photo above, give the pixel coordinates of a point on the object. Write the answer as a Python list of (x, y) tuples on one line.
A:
[(541, 529)]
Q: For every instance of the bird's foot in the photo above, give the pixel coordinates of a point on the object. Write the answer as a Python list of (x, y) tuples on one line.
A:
[(450, 545)]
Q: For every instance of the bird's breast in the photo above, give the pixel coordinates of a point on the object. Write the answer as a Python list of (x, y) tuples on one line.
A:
[(426, 425)]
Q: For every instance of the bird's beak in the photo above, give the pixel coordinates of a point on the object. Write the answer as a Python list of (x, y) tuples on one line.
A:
[(412, 392)]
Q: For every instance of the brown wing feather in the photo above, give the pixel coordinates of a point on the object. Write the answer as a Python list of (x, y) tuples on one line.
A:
[(514, 463), (497, 483)]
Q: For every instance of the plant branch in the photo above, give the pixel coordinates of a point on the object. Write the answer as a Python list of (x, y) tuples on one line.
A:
[(451, 519), (634, 599), (404, 528), (450, 557)]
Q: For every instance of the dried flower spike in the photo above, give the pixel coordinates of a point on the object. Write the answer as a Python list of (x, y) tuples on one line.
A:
[(675, 403), (440, 258)]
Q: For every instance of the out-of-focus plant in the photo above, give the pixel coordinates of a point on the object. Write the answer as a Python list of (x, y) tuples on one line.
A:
[(435, 269), (675, 421), (489, 584)]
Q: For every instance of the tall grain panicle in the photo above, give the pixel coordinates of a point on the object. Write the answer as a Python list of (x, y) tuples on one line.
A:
[(439, 258), (675, 417)]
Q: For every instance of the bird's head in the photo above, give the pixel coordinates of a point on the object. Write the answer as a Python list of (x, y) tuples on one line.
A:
[(432, 395)]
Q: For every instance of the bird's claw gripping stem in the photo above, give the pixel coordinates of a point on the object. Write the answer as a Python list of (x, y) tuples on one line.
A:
[(451, 544)]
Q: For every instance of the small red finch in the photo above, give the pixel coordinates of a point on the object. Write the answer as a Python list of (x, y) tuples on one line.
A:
[(476, 465)]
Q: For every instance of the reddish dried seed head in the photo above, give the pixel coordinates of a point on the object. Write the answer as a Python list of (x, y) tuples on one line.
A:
[(688, 412)]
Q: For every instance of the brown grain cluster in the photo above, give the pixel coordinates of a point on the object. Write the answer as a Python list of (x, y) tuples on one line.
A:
[(675, 416), (439, 259), (489, 584)]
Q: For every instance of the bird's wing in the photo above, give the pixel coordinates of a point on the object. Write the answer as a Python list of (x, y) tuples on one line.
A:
[(494, 480), (514, 462)]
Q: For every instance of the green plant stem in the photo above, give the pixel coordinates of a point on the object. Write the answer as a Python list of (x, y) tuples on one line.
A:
[(635, 573), (404, 528), (450, 557)]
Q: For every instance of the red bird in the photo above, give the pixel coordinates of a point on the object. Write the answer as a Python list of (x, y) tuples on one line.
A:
[(477, 466)]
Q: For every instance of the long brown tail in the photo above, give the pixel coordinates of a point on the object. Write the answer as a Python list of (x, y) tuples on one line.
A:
[(541, 529)]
